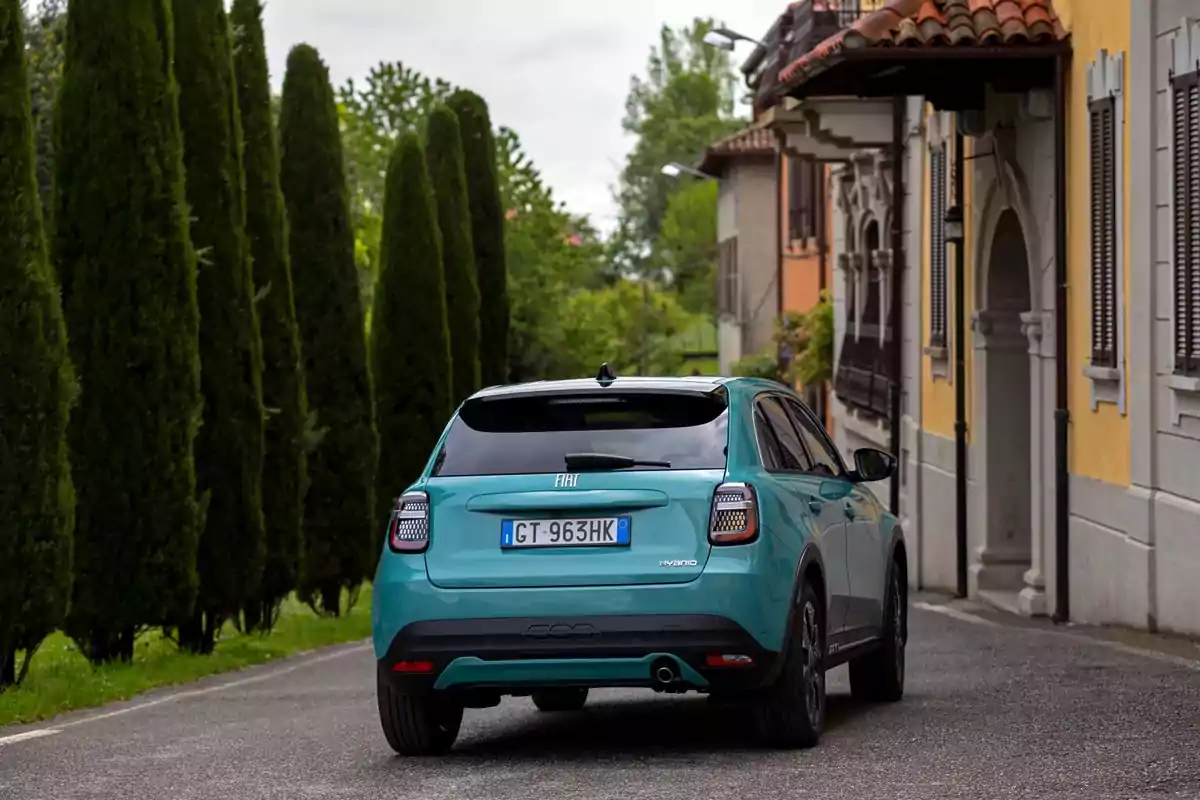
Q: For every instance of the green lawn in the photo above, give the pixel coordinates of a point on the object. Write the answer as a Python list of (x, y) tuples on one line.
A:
[(61, 679)]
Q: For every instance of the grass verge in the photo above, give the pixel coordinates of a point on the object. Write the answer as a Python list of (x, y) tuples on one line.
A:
[(61, 679)]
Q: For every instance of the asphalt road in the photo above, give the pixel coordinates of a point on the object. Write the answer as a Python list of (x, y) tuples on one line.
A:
[(995, 709)]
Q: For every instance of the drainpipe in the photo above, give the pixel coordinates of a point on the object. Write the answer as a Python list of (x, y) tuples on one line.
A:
[(781, 192), (897, 304), (1062, 414), (821, 197), (960, 379)]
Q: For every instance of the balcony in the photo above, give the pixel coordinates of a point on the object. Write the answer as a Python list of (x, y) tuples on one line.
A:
[(799, 29)]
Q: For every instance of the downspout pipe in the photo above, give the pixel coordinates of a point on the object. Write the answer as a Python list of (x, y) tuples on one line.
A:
[(1062, 413), (960, 379), (781, 192), (897, 286)]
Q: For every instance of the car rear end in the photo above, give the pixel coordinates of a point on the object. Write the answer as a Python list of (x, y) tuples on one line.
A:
[(578, 535)]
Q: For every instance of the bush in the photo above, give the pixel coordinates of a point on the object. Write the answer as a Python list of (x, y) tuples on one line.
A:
[(444, 153), (37, 500), (129, 294), (487, 234), (285, 464), (340, 528), (412, 383), (229, 448)]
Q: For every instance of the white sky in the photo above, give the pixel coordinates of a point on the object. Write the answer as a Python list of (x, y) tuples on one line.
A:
[(556, 71)]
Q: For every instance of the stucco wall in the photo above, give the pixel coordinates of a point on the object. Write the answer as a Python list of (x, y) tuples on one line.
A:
[(758, 249)]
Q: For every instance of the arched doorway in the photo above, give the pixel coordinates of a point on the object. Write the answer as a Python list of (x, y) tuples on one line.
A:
[(1003, 415)]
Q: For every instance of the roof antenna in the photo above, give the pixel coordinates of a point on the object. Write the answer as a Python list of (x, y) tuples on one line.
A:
[(605, 376)]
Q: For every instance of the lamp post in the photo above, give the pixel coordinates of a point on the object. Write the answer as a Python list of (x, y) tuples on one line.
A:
[(955, 236), (726, 39), (675, 169)]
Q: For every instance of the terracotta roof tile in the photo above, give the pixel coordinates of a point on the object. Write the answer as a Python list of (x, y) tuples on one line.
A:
[(939, 23), (753, 141)]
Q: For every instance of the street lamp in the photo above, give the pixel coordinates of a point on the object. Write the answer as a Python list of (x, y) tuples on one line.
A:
[(675, 169), (724, 39)]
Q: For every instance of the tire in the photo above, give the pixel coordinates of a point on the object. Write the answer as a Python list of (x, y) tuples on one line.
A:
[(790, 713), (417, 724), (879, 677), (555, 700)]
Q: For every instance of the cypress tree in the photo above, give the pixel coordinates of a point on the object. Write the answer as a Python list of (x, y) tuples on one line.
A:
[(229, 448), (129, 293), (412, 373), (37, 500), (284, 394), (341, 531), (487, 234), (444, 152)]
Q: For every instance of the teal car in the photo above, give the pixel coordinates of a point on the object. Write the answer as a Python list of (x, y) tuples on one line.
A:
[(676, 534)]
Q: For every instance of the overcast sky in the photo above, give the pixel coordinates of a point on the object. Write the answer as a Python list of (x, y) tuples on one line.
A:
[(556, 71)]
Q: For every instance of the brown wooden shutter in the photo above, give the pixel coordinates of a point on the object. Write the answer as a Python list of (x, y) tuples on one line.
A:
[(1186, 140), (937, 244), (1104, 232)]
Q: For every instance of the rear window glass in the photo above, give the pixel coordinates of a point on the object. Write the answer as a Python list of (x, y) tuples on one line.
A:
[(531, 434)]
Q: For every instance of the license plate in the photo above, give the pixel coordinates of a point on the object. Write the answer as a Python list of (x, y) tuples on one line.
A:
[(588, 532)]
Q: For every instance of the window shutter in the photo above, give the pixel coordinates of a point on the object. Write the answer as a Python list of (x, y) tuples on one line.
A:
[(1104, 235), (1186, 140), (937, 244)]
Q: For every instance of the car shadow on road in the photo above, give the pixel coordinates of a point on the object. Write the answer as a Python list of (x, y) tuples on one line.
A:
[(664, 727)]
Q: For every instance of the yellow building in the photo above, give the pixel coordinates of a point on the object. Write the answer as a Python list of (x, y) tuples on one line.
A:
[(1048, 152)]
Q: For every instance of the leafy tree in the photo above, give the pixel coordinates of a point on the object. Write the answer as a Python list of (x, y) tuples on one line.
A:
[(487, 234), (129, 293), (444, 153), (45, 46), (339, 514), (685, 252), (37, 499), (285, 463), (683, 104), (412, 373)]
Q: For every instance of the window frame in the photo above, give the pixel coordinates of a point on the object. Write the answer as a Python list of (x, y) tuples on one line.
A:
[(1185, 355), (1107, 373), (776, 397), (938, 262), (804, 420)]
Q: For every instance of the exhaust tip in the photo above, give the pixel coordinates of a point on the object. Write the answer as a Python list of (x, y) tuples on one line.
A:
[(664, 672)]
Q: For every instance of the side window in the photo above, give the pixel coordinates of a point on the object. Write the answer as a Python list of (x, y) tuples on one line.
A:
[(791, 451), (825, 460), (772, 457)]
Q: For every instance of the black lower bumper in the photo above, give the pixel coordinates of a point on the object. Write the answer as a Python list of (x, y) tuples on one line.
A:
[(690, 638)]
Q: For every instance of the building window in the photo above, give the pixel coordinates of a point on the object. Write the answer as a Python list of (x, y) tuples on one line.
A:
[(1106, 176), (1103, 146), (728, 280), (1185, 140), (803, 206), (937, 245)]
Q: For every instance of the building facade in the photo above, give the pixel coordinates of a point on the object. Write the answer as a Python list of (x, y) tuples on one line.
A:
[(1048, 152)]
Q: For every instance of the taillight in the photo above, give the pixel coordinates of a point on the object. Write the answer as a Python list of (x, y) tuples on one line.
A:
[(734, 518), (408, 528)]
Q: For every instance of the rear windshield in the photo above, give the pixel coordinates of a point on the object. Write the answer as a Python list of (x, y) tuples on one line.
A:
[(529, 435)]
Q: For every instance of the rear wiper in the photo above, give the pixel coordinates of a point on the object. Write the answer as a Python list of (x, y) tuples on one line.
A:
[(597, 461)]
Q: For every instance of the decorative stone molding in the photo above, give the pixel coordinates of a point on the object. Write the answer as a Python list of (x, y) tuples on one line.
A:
[(1031, 326), (1106, 78), (998, 331), (1185, 397)]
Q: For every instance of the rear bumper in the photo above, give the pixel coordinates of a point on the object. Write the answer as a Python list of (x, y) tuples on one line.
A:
[(515, 654)]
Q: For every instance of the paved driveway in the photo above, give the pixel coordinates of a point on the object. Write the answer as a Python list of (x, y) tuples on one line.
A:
[(995, 709)]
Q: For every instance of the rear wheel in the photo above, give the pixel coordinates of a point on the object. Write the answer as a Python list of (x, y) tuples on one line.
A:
[(791, 712), (417, 724), (879, 676), (551, 700)]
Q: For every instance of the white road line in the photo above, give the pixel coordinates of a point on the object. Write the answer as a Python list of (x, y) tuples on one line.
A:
[(20, 737), (949, 611), (184, 695)]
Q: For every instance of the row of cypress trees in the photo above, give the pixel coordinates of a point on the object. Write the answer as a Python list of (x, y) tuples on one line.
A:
[(442, 251), (204, 440)]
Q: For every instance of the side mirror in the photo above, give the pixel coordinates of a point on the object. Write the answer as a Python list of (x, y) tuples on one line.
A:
[(872, 465)]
